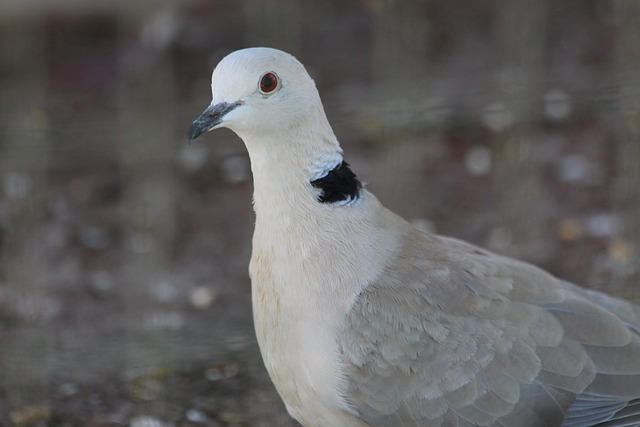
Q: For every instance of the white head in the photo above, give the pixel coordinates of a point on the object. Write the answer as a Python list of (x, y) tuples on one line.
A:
[(267, 97), (257, 91)]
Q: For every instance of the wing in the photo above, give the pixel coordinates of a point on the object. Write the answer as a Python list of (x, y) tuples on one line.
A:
[(453, 335)]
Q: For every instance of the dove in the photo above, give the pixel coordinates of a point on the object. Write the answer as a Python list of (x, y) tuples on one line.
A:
[(365, 321)]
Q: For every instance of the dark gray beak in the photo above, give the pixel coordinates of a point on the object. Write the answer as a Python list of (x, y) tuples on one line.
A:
[(210, 118)]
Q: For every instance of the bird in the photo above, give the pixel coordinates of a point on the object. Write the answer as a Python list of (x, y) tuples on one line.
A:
[(363, 320)]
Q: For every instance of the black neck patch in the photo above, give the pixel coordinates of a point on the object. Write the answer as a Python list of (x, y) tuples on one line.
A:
[(339, 185)]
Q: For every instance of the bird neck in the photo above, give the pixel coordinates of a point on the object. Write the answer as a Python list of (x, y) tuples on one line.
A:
[(299, 168), (315, 226)]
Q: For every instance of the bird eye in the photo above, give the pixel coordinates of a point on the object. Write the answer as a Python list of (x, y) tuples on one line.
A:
[(268, 83)]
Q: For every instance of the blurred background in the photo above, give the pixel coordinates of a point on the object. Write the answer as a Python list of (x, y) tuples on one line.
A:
[(124, 293)]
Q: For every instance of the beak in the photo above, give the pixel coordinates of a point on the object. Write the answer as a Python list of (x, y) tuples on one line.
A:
[(210, 118)]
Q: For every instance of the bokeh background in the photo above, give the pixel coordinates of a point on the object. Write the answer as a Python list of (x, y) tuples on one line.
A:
[(124, 293)]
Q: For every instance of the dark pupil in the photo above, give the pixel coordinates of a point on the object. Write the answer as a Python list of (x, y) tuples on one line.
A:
[(268, 83)]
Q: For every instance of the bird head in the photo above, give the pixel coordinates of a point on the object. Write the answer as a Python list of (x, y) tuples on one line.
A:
[(269, 100), (258, 91)]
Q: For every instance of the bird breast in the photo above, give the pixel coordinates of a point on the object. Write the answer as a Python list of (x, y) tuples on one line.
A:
[(305, 275)]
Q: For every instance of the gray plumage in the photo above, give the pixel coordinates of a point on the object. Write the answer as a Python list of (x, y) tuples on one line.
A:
[(451, 334), (363, 320)]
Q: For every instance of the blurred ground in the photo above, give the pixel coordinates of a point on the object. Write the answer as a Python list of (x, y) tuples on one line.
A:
[(124, 295)]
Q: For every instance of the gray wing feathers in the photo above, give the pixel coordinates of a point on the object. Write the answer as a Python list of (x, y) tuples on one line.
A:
[(589, 410), (453, 335), (540, 405), (589, 324)]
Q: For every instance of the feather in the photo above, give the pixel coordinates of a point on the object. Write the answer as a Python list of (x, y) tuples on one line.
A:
[(364, 321)]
